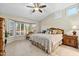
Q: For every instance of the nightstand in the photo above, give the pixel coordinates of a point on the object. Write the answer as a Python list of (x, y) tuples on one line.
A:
[(70, 40)]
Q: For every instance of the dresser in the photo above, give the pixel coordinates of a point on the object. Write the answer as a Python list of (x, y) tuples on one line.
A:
[(2, 36), (70, 40)]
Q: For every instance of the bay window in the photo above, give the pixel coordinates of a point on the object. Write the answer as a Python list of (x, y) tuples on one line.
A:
[(16, 28)]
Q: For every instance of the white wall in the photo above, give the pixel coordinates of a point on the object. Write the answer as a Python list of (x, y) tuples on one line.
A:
[(65, 22)]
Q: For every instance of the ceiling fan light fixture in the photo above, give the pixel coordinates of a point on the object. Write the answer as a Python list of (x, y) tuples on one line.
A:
[(36, 9)]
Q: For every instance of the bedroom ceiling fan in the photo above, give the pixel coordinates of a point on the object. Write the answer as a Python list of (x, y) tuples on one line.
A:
[(37, 7)]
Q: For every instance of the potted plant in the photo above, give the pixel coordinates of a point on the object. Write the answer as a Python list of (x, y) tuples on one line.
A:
[(6, 35)]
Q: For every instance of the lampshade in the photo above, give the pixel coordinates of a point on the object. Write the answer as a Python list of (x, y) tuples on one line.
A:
[(74, 27)]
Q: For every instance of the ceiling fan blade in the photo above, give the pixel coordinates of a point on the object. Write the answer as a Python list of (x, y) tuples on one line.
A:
[(33, 10), (38, 4), (40, 10), (42, 6), (34, 4), (30, 6)]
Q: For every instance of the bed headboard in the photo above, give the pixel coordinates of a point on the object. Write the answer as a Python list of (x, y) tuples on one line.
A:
[(56, 31)]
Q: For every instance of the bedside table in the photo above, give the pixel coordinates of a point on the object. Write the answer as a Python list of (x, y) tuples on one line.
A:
[(70, 40)]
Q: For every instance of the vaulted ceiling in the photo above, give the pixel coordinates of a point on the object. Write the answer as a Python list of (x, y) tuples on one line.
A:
[(20, 10)]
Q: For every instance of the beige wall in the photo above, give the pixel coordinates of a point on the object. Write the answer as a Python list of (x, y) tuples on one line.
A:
[(66, 22)]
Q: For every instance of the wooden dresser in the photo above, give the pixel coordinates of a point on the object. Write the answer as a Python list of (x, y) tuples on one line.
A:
[(2, 49), (70, 40)]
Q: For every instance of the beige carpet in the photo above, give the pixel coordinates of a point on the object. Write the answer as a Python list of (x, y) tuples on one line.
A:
[(25, 48)]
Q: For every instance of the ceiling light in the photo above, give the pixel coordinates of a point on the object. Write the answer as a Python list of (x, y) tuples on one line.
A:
[(36, 9)]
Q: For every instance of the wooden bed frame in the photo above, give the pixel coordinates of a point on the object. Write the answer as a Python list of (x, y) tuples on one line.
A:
[(58, 31)]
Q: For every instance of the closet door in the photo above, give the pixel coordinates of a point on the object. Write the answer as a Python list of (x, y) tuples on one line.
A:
[(1, 36)]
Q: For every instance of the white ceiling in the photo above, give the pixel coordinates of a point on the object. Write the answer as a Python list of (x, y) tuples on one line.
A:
[(20, 10)]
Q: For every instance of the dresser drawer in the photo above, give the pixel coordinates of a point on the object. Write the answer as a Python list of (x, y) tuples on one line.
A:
[(70, 41)]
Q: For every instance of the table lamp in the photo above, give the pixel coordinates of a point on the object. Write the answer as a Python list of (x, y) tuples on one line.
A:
[(74, 29)]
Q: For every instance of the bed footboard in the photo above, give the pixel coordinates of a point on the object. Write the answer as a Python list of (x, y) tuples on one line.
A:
[(44, 49), (39, 46)]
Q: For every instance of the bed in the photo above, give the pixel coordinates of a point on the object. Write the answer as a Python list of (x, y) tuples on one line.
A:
[(48, 41)]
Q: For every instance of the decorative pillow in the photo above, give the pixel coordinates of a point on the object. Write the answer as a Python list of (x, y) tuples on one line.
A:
[(54, 31)]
